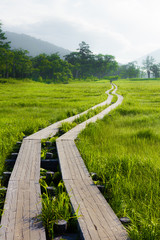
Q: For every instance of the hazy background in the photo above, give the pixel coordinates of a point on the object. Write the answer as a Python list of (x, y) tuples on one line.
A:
[(127, 29)]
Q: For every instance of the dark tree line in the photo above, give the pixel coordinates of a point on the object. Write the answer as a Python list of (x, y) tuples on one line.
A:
[(86, 64), (130, 70), (18, 64), (51, 68)]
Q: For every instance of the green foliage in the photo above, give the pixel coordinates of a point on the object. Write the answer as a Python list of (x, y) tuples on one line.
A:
[(66, 126), (27, 106), (86, 64), (123, 149), (51, 69), (17, 64), (55, 208), (112, 78), (130, 70)]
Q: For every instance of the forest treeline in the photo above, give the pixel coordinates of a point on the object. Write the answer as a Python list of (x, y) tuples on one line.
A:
[(82, 64)]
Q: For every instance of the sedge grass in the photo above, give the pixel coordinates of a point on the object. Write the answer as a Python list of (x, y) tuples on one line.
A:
[(123, 149), (26, 106), (56, 208)]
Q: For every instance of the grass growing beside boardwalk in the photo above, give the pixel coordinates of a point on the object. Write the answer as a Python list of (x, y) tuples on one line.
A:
[(123, 149), (26, 106)]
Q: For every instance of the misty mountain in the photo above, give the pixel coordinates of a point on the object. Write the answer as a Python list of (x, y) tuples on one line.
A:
[(154, 54), (33, 45)]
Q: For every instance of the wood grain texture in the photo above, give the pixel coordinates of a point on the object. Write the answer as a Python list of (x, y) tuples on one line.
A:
[(22, 204), (97, 221)]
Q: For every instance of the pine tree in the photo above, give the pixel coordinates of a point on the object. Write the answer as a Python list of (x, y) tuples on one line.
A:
[(4, 54)]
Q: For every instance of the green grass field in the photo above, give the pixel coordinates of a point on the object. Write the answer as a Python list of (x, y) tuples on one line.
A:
[(123, 149), (26, 106)]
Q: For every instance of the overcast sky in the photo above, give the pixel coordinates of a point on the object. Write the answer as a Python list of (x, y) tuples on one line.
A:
[(127, 29)]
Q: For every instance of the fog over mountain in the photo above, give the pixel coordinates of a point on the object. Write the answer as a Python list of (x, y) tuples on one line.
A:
[(33, 45), (36, 46), (155, 54)]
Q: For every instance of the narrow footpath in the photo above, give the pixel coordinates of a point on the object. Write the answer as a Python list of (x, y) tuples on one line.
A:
[(22, 203)]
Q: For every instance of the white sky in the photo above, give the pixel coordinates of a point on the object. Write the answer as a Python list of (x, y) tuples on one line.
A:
[(126, 29)]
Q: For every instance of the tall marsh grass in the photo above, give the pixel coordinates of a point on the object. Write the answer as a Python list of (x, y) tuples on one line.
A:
[(123, 149), (26, 106), (56, 208)]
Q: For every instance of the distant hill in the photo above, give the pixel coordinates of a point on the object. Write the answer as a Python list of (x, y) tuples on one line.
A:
[(33, 45), (154, 54)]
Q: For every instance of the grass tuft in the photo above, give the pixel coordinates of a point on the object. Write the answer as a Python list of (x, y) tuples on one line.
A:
[(123, 149)]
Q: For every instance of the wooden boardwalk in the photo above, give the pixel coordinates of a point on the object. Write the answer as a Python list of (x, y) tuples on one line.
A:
[(97, 221), (22, 203)]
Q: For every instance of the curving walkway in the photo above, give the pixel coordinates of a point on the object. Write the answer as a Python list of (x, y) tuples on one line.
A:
[(22, 202), (97, 221)]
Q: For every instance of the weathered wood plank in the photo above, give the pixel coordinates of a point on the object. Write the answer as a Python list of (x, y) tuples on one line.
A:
[(98, 221), (27, 165), (99, 214), (22, 203), (51, 130), (10, 207)]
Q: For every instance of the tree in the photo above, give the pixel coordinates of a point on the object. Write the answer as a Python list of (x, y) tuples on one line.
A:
[(130, 70), (86, 59), (74, 59), (51, 68), (4, 54), (147, 65), (155, 68), (104, 65), (86, 64), (22, 64), (3, 43)]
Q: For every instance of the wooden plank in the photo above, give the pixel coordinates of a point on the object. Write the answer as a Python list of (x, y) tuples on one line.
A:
[(90, 195), (8, 218), (79, 161), (28, 162), (85, 222), (71, 163), (37, 230), (100, 220), (74, 172), (18, 233), (104, 213), (35, 161), (17, 222), (90, 206), (22, 204), (25, 213), (63, 163), (51, 130)]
